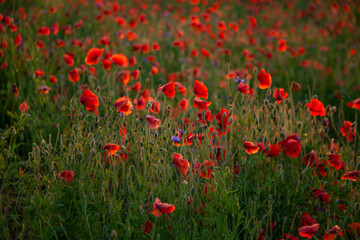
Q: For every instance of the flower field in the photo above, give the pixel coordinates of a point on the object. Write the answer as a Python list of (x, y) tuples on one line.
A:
[(181, 119)]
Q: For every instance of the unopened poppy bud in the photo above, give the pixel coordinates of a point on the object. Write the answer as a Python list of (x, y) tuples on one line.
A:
[(266, 102), (93, 152), (255, 70), (113, 234), (148, 105), (314, 97), (231, 119), (333, 109), (268, 92), (168, 107), (225, 114), (353, 125), (98, 89)]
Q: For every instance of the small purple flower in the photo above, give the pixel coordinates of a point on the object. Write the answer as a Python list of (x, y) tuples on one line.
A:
[(175, 139), (238, 79), (181, 132)]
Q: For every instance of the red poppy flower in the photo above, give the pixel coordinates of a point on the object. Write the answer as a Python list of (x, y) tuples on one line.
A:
[(323, 196), (280, 94), (93, 56), (168, 89), (201, 103), (264, 79), (153, 122), (90, 101), (180, 88), (272, 150), (296, 86), (124, 77), (67, 175), (208, 117), (53, 79), (291, 145), (334, 160), (348, 131), (39, 73), (120, 60), (204, 168), (122, 131), (321, 167), (155, 107), (310, 158), (181, 163), (309, 231), (69, 59), (74, 75), (316, 108), (288, 236), (306, 220), (24, 107), (292, 148), (352, 176), (183, 104), (132, 61), (208, 189), (111, 148), (159, 208), (44, 89), (106, 64), (333, 233), (353, 229), (222, 118), (148, 227), (200, 89), (243, 88), (15, 90), (124, 105), (250, 147), (18, 40), (354, 104), (43, 31), (136, 87)]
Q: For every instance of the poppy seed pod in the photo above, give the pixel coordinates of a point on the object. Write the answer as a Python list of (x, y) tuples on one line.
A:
[(266, 102), (93, 152)]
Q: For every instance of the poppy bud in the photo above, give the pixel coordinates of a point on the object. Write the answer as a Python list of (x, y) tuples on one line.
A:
[(98, 89), (333, 109), (255, 70), (93, 152), (266, 102), (113, 234), (353, 125), (231, 120), (148, 105)]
